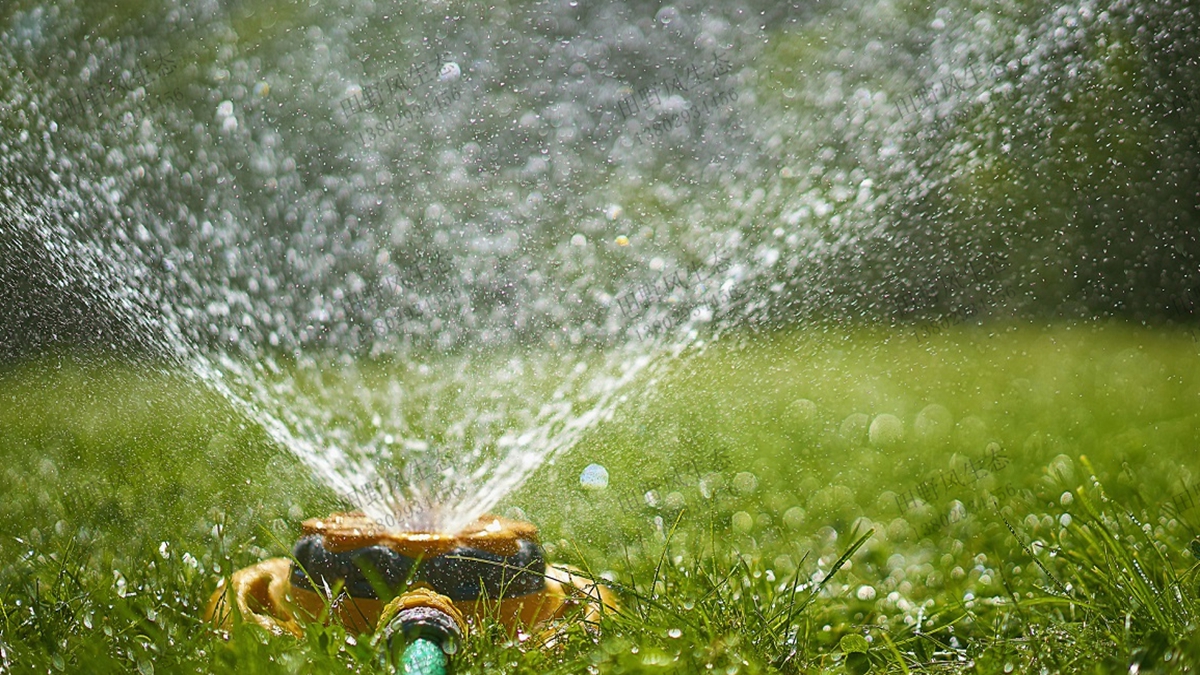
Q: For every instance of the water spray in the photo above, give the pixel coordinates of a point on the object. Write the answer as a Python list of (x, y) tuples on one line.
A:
[(417, 592)]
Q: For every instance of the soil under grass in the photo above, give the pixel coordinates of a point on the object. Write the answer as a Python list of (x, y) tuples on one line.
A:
[(1015, 499)]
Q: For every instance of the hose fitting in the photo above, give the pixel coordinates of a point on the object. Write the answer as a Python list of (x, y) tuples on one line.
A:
[(419, 631)]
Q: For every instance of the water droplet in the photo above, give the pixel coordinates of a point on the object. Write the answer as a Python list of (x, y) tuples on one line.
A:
[(804, 411), (854, 428), (793, 518), (622, 240), (934, 423), (743, 522), (1066, 499), (745, 482), (886, 430), (450, 72), (594, 477), (675, 633), (674, 501)]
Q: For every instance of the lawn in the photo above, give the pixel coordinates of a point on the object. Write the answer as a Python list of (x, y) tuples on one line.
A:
[(999, 499)]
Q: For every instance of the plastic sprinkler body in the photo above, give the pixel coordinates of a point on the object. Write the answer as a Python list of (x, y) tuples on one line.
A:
[(419, 632), (351, 570)]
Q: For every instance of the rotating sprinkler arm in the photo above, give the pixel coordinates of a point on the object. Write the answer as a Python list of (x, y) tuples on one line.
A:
[(419, 631)]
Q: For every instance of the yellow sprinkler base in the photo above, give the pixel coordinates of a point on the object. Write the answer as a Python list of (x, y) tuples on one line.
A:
[(494, 569)]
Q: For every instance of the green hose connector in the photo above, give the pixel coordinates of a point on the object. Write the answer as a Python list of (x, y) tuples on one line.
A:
[(424, 657)]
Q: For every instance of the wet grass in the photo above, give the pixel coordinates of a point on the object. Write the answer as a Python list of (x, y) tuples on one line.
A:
[(1027, 507)]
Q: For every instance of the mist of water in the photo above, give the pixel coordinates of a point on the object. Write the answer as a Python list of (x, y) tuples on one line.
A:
[(428, 248)]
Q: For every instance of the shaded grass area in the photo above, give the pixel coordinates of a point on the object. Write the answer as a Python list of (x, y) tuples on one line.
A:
[(1000, 499)]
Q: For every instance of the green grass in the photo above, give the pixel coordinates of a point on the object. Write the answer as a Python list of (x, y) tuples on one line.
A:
[(746, 531)]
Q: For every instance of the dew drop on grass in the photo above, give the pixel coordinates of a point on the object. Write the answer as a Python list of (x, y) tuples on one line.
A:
[(1066, 499), (675, 633)]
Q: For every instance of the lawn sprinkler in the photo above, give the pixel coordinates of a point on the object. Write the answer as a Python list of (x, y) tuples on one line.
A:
[(418, 592)]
